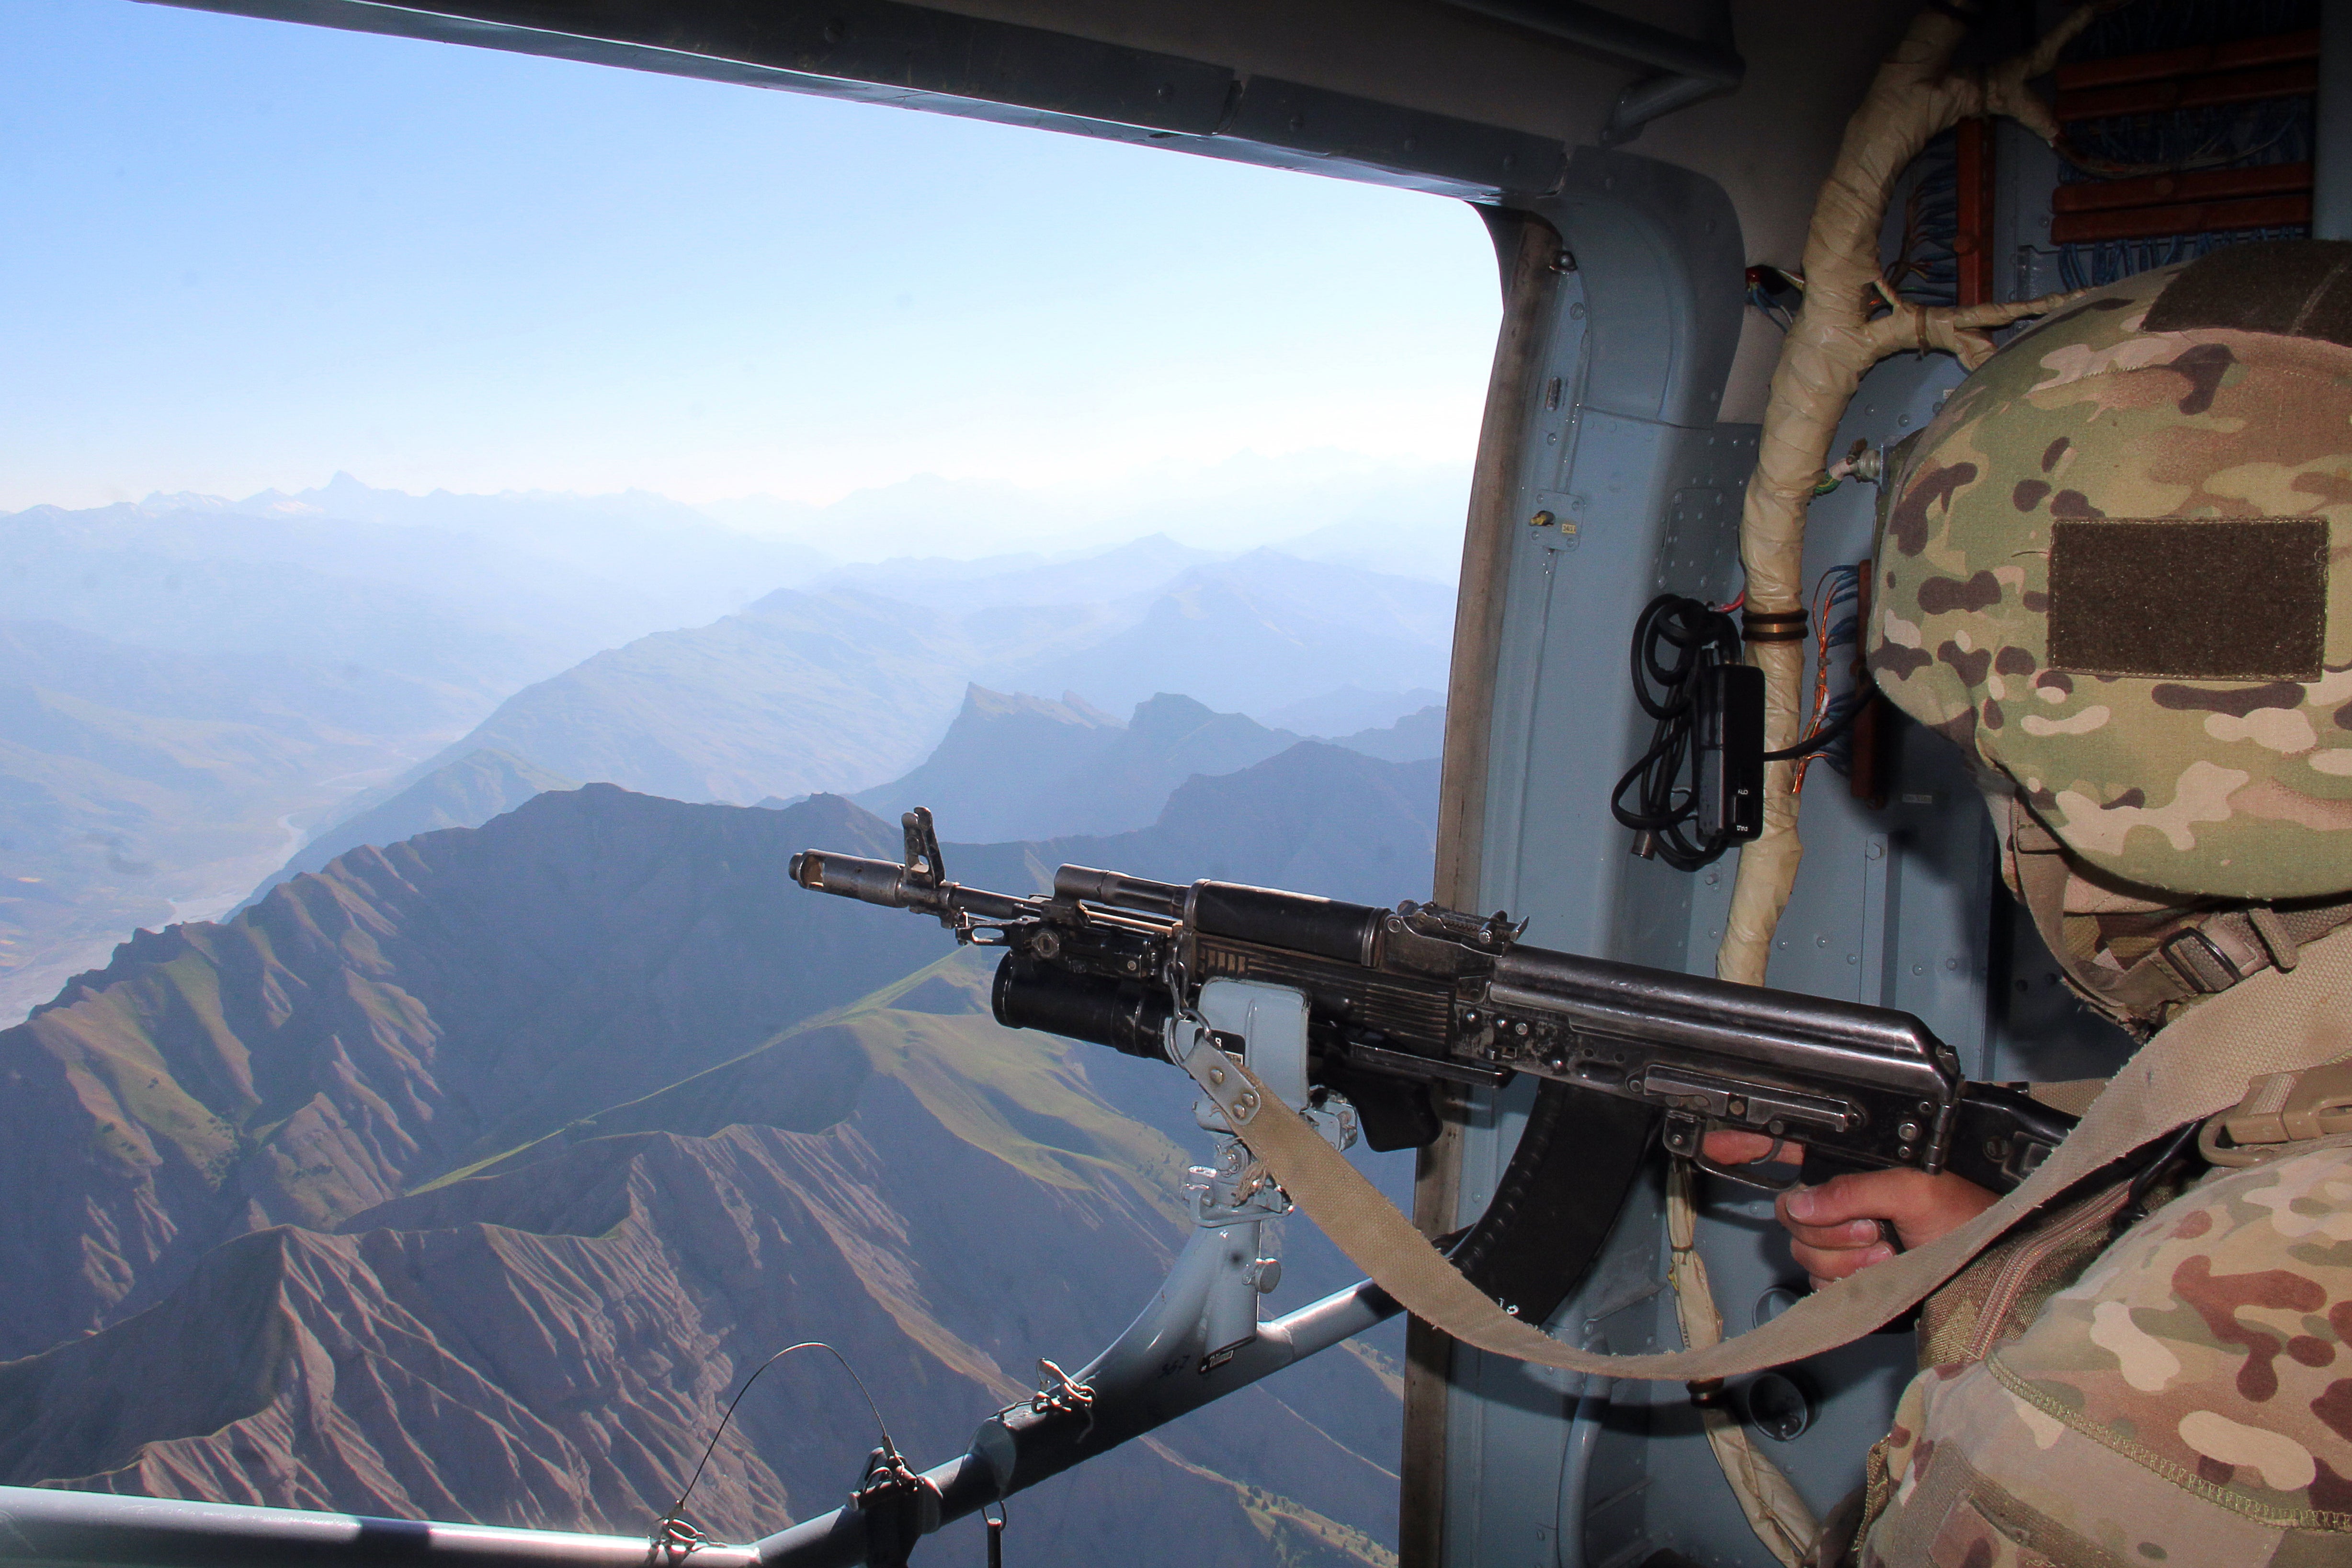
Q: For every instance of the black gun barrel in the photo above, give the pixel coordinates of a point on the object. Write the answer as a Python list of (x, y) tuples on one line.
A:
[(888, 883)]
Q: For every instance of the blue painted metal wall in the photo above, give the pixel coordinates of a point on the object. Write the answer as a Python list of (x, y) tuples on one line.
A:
[(1897, 905)]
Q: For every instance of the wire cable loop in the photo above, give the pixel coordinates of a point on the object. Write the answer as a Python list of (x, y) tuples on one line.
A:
[(671, 1531)]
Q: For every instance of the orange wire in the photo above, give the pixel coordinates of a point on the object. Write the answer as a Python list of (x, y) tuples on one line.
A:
[(1821, 595)]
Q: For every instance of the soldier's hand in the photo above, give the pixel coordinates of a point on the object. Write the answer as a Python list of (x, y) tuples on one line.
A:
[(1842, 1227)]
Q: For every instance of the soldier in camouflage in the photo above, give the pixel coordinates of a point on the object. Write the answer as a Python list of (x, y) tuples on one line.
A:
[(2106, 573)]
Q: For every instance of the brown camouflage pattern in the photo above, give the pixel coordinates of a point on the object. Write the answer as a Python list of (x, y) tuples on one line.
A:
[(2239, 790), (2186, 1401), (2003, 1290)]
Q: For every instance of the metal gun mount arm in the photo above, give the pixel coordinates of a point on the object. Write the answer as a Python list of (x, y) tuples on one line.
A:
[(41, 1525), (1031, 1445), (38, 1525), (1198, 1341)]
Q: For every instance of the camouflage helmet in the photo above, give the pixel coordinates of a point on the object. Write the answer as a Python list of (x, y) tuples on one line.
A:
[(2105, 570)]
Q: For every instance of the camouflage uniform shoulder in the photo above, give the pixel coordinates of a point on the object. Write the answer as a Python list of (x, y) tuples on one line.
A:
[(2187, 1400)]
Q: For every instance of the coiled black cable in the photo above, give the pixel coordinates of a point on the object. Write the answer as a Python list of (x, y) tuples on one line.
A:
[(1675, 638)]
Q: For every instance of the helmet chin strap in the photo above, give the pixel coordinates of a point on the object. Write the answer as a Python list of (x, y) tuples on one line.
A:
[(2176, 954)]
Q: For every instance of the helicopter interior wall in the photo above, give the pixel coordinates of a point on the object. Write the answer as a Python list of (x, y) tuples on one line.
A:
[(1897, 904), (1623, 478)]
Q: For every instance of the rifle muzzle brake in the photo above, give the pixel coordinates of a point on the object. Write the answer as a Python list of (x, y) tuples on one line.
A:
[(853, 876)]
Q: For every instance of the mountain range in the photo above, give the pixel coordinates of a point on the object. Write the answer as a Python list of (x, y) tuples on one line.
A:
[(192, 684), (1011, 766), (1021, 767), (486, 593), (1350, 709), (1400, 517), (467, 1170), (466, 1176), (197, 686), (842, 690), (464, 793)]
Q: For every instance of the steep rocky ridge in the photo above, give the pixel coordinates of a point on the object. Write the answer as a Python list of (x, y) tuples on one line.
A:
[(552, 1347), (1002, 751), (544, 1334), (408, 1011), (416, 1009)]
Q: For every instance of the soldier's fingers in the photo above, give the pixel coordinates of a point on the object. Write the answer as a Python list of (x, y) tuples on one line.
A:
[(1853, 1233), (1728, 1148), (1860, 1195), (1920, 1207), (1822, 1266)]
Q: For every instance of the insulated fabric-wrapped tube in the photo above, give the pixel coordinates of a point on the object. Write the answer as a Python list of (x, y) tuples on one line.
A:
[(1833, 342)]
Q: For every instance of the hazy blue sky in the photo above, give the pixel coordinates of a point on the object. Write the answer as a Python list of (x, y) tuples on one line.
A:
[(244, 254)]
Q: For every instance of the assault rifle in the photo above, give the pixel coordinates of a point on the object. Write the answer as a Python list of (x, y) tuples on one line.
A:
[(1401, 999)]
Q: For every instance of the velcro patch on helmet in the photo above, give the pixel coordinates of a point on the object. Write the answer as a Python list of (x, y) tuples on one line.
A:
[(2296, 288), (2228, 599)]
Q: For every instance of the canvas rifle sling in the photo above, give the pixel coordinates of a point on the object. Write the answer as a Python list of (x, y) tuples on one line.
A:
[(2197, 1066)]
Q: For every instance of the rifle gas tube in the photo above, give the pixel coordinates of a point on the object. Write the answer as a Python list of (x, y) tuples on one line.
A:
[(1400, 999)]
